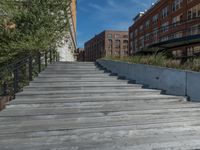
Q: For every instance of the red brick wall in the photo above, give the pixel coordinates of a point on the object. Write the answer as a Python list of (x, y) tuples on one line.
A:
[(98, 46), (157, 9)]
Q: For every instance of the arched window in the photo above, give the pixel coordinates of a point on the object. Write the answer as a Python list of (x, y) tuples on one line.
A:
[(117, 44), (125, 44), (125, 41), (110, 44)]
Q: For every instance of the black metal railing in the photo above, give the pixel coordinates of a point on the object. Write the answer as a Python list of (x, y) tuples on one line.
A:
[(177, 30), (15, 76)]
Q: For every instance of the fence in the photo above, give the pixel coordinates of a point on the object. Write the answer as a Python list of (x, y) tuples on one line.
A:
[(15, 76)]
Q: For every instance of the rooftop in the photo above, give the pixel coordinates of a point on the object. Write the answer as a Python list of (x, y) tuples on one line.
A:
[(140, 14)]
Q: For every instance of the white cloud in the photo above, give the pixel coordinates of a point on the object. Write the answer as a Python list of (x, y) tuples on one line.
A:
[(140, 3), (111, 3), (97, 7)]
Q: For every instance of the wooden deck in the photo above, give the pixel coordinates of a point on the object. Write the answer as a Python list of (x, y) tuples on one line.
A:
[(75, 106)]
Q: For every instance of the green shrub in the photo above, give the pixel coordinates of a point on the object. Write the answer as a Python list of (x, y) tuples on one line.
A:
[(162, 60)]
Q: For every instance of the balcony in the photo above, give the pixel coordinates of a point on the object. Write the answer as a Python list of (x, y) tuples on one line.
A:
[(180, 34)]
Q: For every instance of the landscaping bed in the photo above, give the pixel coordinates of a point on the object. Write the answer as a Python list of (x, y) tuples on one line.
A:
[(192, 64)]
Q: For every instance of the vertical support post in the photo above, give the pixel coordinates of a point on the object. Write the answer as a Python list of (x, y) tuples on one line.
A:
[(30, 68), (58, 54), (57, 59), (50, 56), (5, 88), (39, 62), (45, 57), (54, 56), (16, 79)]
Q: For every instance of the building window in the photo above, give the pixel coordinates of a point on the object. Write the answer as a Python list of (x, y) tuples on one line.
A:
[(125, 41), (189, 14), (155, 19), (110, 36), (117, 53), (176, 20), (176, 35), (117, 44), (142, 44), (131, 35), (136, 32), (176, 5), (165, 38), (141, 28), (194, 12), (110, 44), (164, 12), (155, 35), (117, 36), (147, 24), (194, 30), (135, 45), (147, 37), (198, 11), (131, 45), (165, 27), (125, 46)]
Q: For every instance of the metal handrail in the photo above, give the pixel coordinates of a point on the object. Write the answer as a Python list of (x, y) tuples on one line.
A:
[(170, 26), (182, 26), (11, 66), (31, 63)]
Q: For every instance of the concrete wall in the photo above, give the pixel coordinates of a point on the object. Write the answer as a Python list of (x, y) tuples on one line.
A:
[(193, 85), (172, 81)]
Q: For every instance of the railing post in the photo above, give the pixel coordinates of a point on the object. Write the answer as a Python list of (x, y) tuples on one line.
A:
[(58, 56), (30, 68), (45, 57), (54, 56), (50, 56), (16, 79), (5, 88), (39, 62)]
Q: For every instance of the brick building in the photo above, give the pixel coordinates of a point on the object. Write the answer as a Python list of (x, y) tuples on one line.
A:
[(107, 43), (168, 24)]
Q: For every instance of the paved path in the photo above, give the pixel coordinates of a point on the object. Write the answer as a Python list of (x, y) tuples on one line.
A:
[(75, 106)]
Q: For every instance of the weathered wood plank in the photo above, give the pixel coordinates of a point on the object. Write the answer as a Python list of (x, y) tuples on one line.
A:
[(68, 107)]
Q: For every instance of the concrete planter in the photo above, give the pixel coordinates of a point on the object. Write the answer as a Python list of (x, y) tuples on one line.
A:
[(172, 81)]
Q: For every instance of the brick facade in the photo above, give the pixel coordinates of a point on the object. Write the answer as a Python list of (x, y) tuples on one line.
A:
[(107, 43), (165, 20)]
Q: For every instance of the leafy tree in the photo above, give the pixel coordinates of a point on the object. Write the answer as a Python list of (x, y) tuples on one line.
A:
[(29, 26)]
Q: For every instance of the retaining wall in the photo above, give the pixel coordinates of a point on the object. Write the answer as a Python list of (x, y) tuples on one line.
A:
[(172, 81)]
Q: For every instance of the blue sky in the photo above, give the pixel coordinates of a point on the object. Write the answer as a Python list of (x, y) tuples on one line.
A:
[(94, 16)]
